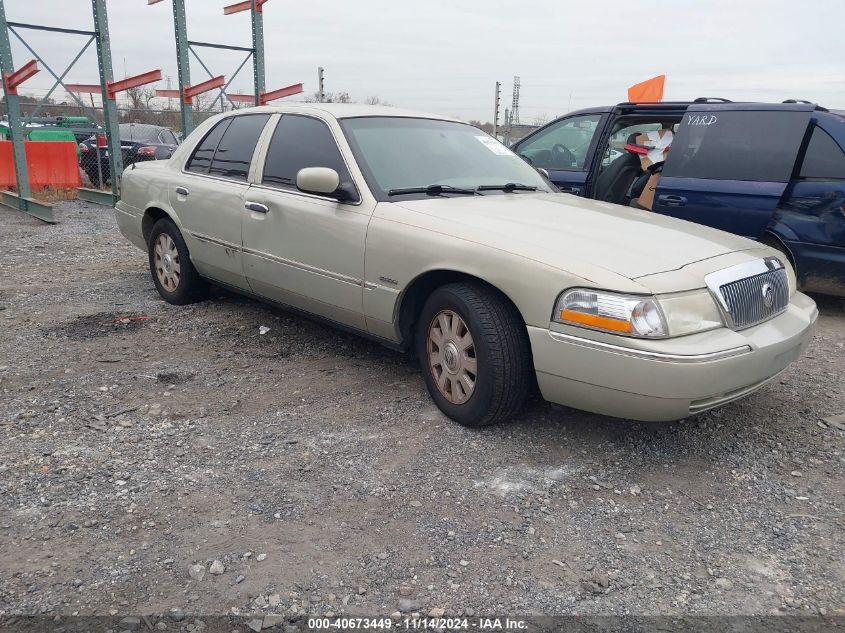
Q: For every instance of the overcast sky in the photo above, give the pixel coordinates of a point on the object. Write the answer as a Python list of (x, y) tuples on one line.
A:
[(446, 55)]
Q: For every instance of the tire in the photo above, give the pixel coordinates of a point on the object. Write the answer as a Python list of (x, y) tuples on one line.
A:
[(176, 279), (487, 382)]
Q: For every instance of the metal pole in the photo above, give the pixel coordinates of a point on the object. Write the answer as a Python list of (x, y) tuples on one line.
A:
[(183, 63), (258, 50), (110, 114), (321, 95), (22, 199), (496, 110), (13, 108)]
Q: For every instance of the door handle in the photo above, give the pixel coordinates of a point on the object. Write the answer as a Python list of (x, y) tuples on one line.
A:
[(257, 207), (575, 190), (672, 201), (182, 191)]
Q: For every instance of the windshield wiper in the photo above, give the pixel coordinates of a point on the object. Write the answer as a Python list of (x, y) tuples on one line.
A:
[(507, 188), (433, 190)]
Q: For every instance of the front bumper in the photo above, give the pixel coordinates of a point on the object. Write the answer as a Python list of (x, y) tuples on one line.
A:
[(669, 379)]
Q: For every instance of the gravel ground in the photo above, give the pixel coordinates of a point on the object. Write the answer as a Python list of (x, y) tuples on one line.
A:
[(159, 458)]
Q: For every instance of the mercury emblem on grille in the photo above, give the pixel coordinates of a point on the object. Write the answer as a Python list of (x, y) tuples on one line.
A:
[(768, 296)]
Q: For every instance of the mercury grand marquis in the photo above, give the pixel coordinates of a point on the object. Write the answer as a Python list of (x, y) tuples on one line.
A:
[(430, 236)]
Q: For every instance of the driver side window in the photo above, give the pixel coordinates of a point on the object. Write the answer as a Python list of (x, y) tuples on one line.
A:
[(562, 145)]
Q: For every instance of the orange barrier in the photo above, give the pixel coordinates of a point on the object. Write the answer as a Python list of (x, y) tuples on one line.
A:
[(50, 164)]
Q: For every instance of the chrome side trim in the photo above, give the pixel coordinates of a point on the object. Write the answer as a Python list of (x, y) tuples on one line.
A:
[(213, 240), (305, 267), (654, 356)]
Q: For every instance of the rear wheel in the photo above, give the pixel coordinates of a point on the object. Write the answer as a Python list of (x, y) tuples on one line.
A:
[(474, 352), (175, 277)]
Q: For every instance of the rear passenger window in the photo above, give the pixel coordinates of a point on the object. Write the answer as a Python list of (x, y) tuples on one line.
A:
[(297, 143), (235, 150), (204, 152), (737, 145), (824, 158)]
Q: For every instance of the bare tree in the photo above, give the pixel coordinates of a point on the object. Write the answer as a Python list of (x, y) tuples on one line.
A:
[(376, 101), (330, 97), (541, 119)]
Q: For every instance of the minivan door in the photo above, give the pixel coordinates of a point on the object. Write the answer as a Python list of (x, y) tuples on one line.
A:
[(565, 150), (728, 166), (811, 220)]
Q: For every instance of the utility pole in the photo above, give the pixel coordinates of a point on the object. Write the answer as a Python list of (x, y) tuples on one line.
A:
[(321, 94), (515, 101), (496, 109), (506, 135)]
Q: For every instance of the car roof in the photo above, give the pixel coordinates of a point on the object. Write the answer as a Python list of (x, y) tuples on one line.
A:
[(346, 111), (142, 127)]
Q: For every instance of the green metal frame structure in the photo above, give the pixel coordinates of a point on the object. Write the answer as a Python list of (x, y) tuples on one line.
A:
[(107, 88), (100, 36), (258, 51), (21, 200), (185, 48), (111, 119)]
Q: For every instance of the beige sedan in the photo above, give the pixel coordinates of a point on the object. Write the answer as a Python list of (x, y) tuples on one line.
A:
[(429, 236)]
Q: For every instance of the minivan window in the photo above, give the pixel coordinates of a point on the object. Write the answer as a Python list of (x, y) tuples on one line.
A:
[(563, 145), (204, 152), (234, 153), (737, 145), (299, 142), (824, 158)]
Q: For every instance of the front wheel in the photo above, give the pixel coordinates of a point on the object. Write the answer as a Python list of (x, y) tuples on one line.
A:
[(475, 355), (174, 275)]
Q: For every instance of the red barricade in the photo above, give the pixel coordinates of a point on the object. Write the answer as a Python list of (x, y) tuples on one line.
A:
[(50, 164)]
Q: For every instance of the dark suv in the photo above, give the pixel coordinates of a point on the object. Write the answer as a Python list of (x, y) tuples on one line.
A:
[(771, 172)]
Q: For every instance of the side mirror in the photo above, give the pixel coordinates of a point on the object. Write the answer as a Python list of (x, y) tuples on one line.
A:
[(543, 172), (319, 180)]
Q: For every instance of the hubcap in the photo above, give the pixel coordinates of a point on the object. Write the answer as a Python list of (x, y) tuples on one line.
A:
[(451, 357), (166, 259)]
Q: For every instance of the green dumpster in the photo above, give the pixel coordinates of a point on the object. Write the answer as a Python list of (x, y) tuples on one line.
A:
[(53, 134)]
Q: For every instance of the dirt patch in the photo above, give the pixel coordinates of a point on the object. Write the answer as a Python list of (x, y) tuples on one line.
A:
[(90, 326)]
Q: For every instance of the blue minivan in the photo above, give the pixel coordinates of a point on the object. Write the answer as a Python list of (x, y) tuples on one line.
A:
[(773, 172)]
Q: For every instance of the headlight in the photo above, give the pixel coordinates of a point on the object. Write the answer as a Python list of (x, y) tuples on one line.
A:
[(639, 316), (610, 312), (690, 312)]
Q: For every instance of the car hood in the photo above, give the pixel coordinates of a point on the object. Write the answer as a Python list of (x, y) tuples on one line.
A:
[(565, 231)]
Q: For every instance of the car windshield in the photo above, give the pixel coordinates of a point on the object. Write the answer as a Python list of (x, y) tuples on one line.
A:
[(402, 154)]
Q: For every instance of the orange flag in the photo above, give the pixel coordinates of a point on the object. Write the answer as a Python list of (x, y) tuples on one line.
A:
[(648, 91)]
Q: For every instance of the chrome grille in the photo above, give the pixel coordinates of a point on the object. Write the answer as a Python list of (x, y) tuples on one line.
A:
[(752, 292), (748, 299)]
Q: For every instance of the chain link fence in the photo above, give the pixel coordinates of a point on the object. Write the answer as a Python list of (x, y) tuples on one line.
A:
[(149, 127)]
